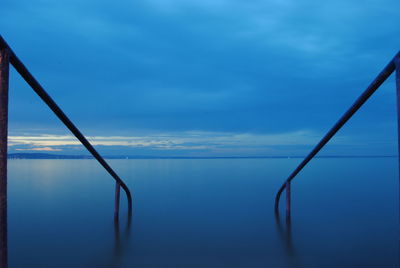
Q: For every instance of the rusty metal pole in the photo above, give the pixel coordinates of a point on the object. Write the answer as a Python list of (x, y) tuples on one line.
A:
[(117, 198), (4, 74), (288, 201), (378, 81), (28, 77)]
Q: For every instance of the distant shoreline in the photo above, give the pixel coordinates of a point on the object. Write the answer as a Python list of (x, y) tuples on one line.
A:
[(56, 156)]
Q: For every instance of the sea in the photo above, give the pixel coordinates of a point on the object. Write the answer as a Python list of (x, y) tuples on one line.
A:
[(204, 213)]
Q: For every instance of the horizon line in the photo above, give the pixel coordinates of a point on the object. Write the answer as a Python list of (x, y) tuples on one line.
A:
[(79, 156)]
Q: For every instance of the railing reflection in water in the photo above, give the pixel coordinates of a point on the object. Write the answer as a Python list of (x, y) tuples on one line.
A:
[(284, 230)]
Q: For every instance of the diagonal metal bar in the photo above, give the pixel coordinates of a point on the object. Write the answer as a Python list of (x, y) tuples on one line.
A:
[(28, 77), (386, 72)]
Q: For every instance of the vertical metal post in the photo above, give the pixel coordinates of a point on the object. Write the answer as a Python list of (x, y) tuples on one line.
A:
[(117, 194), (288, 201), (397, 64), (4, 74)]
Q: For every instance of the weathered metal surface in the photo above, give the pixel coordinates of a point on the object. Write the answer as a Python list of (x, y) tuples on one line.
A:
[(28, 77), (387, 71), (4, 75)]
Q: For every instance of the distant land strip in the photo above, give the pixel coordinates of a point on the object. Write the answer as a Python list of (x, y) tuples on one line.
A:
[(59, 156)]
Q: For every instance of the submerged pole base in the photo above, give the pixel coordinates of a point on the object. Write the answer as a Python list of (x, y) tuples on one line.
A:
[(288, 201), (117, 198)]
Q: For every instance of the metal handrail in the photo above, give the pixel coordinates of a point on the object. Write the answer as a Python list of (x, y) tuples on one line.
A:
[(30, 79), (386, 72)]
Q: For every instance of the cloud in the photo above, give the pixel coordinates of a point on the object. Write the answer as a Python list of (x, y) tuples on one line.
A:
[(44, 149), (206, 143), (193, 140)]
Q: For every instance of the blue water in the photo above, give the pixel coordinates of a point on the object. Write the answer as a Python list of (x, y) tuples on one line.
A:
[(204, 213)]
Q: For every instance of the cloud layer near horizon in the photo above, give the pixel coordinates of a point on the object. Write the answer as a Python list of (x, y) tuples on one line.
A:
[(191, 144)]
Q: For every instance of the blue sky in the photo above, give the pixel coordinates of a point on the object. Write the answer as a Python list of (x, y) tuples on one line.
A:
[(203, 78)]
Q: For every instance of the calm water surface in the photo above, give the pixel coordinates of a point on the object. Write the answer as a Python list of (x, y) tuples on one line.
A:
[(204, 213)]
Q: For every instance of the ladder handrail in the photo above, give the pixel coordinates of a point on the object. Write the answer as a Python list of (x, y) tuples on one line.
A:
[(34, 84), (385, 73)]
